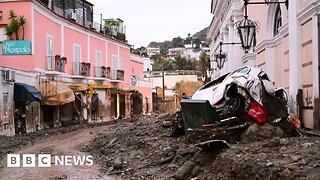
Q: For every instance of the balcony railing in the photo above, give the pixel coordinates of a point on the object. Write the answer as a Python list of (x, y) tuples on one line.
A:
[(102, 71), (81, 69), (56, 63), (118, 75)]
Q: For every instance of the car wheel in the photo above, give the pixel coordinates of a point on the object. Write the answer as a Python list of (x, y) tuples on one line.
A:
[(233, 107)]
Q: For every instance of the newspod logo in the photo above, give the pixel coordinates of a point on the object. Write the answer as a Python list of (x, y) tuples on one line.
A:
[(47, 160)]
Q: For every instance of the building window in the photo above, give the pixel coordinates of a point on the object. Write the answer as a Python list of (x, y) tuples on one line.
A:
[(277, 21), (50, 60), (114, 66), (121, 63), (76, 53), (3, 35), (76, 59), (98, 58), (98, 63)]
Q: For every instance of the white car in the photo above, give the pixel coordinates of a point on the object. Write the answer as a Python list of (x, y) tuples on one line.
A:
[(233, 93)]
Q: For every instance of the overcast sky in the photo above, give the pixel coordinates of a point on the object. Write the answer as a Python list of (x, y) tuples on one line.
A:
[(156, 20)]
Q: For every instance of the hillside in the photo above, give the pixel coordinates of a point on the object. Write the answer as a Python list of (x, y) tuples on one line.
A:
[(197, 38), (201, 34)]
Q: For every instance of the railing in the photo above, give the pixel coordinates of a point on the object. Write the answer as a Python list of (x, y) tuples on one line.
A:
[(81, 69), (50, 63), (108, 72), (56, 63), (120, 75), (117, 75)]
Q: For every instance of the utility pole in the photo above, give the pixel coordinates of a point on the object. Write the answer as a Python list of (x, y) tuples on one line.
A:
[(163, 95)]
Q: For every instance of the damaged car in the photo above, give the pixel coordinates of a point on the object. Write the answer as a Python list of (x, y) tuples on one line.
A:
[(245, 95)]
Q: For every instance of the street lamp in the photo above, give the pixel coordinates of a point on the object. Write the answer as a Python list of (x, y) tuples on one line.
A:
[(246, 29), (221, 58)]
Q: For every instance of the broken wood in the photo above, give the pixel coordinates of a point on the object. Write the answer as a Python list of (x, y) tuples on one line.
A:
[(109, 145), (292, 164), (81, 116)]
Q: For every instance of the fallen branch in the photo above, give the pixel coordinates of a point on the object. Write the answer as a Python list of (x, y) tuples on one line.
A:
[(292, 164)]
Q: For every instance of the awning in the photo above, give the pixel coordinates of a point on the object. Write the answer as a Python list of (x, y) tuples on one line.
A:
[(123, 90), (56, 93), (79, 87), (24, 92)]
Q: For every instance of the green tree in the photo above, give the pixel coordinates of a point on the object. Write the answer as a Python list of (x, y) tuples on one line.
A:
[(197, 43), (177, 42), (181, 63), (14, 26), (22, 22), (188, 40), (204, 66)]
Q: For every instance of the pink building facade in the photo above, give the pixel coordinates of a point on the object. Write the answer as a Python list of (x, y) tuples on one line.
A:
[(105, 79)]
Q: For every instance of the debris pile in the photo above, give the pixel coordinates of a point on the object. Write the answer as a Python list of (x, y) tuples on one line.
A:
[(142, 149)]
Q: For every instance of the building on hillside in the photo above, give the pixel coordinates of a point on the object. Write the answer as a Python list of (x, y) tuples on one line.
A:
[(191, 53), (147, 65), (287, 48), (81, 74), (151, 51)]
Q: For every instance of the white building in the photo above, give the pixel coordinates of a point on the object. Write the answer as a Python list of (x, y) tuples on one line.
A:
[(147, 64), (287, 48), (153, 51)]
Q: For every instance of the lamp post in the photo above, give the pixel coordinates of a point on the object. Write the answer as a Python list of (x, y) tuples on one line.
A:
[(246, 29), (163, 96), (221, 58)]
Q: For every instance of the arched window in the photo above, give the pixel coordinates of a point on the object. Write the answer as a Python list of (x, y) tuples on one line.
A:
[(277, 21)]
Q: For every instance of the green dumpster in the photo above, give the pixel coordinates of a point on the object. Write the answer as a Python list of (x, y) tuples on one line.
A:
[(197, 113)]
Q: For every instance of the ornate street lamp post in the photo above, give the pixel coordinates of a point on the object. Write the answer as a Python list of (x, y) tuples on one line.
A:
[(221, 58), (247, 29)]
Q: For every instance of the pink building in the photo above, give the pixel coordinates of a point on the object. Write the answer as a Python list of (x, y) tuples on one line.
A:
[(74, 65)]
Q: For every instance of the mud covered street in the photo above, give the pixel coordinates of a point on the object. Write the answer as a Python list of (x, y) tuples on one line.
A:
[(139, 148), (63, 141)]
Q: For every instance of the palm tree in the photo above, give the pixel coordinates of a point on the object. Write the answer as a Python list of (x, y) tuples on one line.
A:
[(14, 27), (9, 32), (22, 22), (12, 15)]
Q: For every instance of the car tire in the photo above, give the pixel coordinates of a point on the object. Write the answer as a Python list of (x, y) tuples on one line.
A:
[(234, 107)]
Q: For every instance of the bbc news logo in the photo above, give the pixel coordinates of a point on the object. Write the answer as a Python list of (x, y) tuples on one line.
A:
[(45, 160)]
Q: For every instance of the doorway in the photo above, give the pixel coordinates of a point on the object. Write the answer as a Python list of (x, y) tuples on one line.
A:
[(20, 118)]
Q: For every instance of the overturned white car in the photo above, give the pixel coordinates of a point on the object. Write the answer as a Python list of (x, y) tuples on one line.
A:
[(245, 92)]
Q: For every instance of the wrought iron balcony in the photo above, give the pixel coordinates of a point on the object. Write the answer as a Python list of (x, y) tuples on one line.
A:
[(56, 63), (81, 69), (118, 75), (101, 71)]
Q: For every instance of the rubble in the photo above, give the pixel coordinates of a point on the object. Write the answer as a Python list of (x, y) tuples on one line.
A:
[(139, 148), (148, 153)]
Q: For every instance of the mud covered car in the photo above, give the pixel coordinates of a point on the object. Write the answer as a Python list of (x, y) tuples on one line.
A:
[(245, 92)]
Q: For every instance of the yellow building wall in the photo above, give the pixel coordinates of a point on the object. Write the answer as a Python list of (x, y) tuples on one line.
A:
[(261, 61), (278, 65), (307, 86), (259, 13), (304, 3), (286, 69)]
